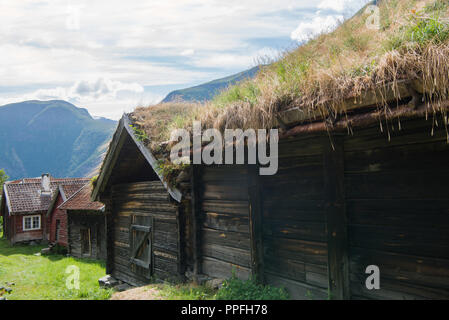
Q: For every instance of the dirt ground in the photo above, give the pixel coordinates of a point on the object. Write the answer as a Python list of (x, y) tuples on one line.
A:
[(142, 293)]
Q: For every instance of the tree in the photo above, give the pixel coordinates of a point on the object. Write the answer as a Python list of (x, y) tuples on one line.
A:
[(3, 178)]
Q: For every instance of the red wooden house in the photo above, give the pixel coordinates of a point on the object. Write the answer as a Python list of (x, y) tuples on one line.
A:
[(24, 206), (56, 231)]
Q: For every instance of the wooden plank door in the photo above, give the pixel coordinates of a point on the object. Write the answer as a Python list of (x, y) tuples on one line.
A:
[(141, 245)]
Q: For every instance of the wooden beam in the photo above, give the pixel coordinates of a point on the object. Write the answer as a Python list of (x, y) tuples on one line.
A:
[(255, 223), (388, 93), (196, 224), (336, 220)]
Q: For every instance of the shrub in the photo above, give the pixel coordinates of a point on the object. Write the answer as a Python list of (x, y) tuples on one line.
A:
[(93, 181), (236, 289), (425, 30)]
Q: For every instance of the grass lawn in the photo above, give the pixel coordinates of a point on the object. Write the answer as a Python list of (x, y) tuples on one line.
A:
[(44, 277)]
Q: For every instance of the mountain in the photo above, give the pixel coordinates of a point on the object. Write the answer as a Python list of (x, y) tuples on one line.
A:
[(51, 136), (207, 91)]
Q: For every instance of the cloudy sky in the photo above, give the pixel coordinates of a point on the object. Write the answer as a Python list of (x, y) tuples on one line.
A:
[(109, 56)]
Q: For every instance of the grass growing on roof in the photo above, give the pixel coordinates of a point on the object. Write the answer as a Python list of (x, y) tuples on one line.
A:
[(319, 76), (43, 277)]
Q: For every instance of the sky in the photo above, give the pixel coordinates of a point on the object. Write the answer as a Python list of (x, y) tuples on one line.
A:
[(110, 56)]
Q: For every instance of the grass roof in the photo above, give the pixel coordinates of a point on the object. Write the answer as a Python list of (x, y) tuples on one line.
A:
[(317, 77)]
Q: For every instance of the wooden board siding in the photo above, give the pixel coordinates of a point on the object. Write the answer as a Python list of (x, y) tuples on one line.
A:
[(61, 216), (398, 211), (144, 200), (95, 223), (20, 235), (294, 231), (224, 222)]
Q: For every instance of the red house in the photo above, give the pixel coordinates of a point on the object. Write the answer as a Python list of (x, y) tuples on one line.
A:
[(24, 207), (56, 231)]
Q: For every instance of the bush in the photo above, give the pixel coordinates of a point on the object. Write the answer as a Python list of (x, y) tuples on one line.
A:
[(425, 30), (236, 289), (61, 250)]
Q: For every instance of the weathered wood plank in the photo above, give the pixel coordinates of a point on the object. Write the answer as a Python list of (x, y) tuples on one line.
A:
[(225, 222), (336, 220), (227, 254), (223, 270), (226, 238)]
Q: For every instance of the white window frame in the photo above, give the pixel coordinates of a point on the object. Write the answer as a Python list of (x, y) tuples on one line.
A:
[(31, 217)]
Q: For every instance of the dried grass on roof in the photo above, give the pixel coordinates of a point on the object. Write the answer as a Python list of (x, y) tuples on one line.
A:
[(413, 44)]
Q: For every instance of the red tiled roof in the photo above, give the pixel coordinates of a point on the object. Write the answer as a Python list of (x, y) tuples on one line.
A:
[(70, 189), (25, 196), (81, 201)]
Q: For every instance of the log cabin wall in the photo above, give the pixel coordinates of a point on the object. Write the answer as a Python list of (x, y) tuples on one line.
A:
[(294, 229), (94, 226), (398, 211), (223, 221), (146, 204)]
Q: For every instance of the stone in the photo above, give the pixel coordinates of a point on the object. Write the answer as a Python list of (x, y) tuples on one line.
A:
[(122, 287), (33, 243), (46, 251), (215, 283), (107, 282)]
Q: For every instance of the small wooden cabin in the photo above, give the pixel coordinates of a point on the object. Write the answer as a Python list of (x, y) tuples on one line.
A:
[(144, 220), (86, 225)]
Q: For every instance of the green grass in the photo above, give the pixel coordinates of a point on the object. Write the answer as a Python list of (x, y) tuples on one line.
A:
[(236, 289), (185, 292), (232, 289), (44, 277)]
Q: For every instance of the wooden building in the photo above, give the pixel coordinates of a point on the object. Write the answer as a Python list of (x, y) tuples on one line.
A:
[(25, 204), (86, 225), (144, 224), (338, 204), (56, 227)]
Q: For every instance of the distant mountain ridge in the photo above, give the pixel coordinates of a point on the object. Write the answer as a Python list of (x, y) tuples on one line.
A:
[(51, 136), (207, 91)]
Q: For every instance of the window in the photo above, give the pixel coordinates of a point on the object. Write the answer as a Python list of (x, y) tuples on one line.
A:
[(31, 223)]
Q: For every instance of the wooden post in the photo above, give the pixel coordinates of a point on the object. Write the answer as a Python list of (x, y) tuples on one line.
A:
[(255, 223), (109, 220), (336, 220), (196, 227)]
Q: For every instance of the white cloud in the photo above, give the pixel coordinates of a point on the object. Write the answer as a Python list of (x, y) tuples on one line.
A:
[(59, 44), (342, 6), (188, 52), (307, 30), (89, 90)]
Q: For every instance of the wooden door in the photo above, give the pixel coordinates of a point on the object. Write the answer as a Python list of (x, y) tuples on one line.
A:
[(141, 245), (86, 242)]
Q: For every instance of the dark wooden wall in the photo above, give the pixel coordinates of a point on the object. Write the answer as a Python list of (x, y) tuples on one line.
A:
[(223, 221), (337, 205), (397, 198), (294, 237), (145, 199), (78, 220)]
